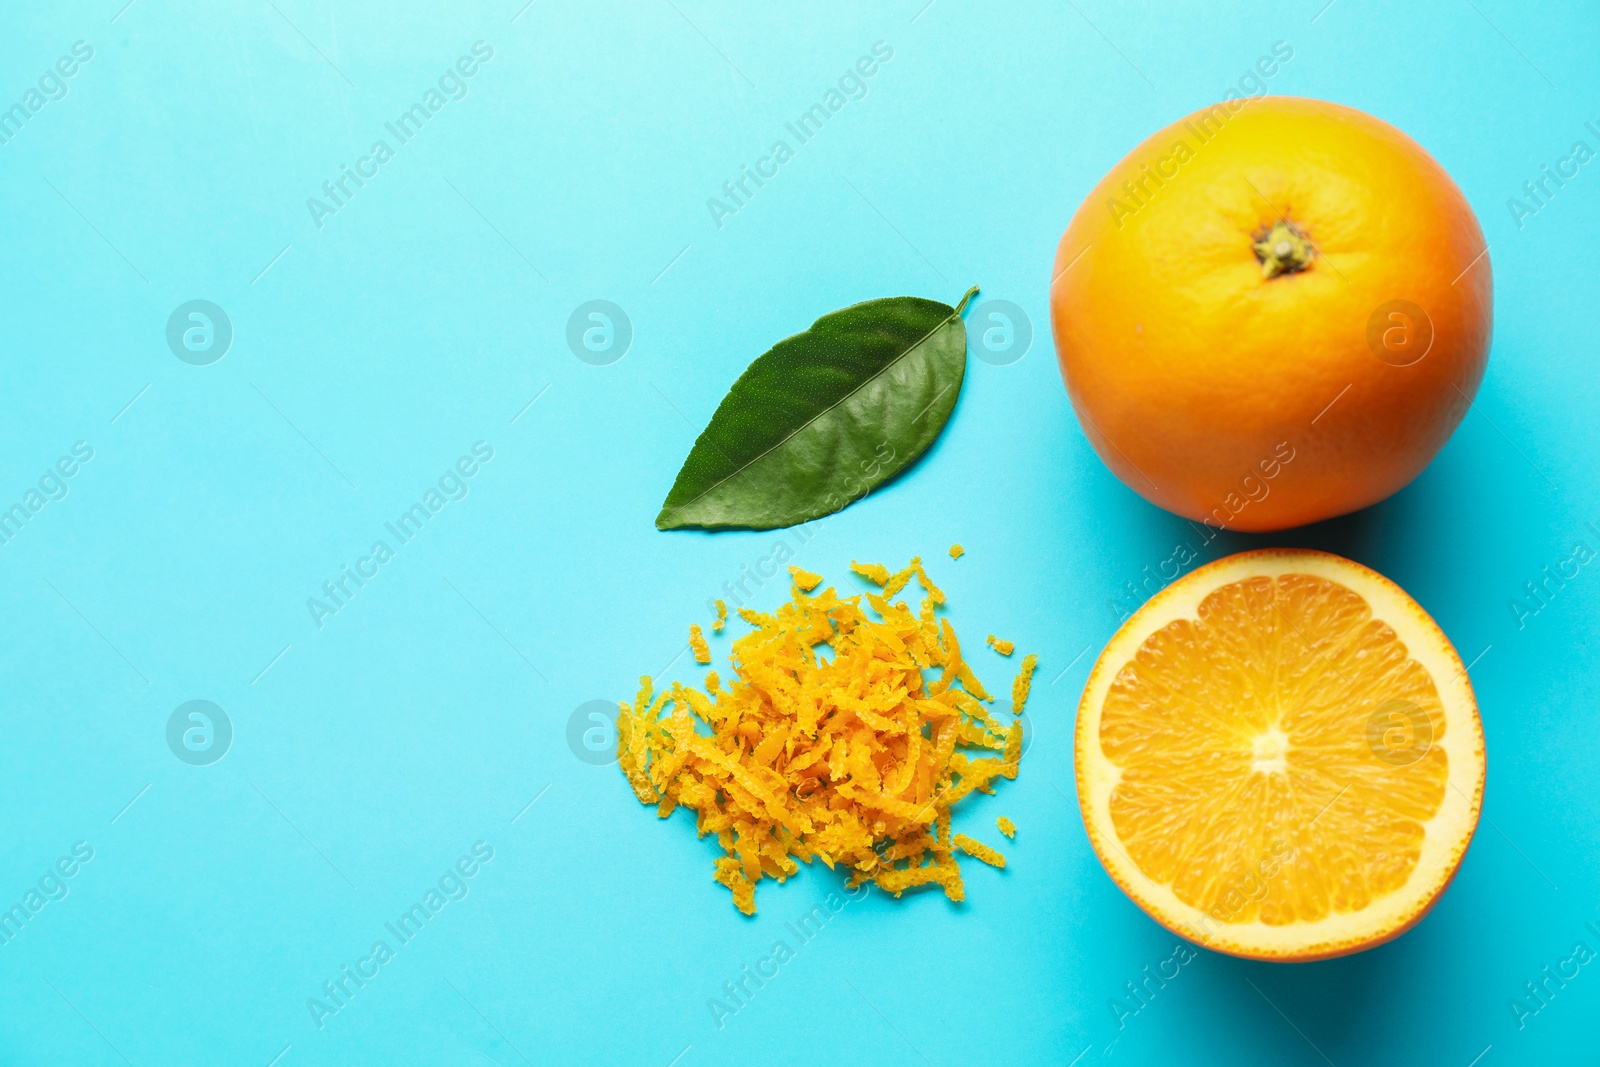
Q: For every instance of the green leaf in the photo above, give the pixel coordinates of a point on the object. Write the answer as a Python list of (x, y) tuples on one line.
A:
[(825, 416)]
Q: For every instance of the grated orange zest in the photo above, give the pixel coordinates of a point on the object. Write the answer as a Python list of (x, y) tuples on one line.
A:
[(697, 643), (901, 578), (1023, 683), (855, 759), (804, 578), (876, 573), (979, 851)]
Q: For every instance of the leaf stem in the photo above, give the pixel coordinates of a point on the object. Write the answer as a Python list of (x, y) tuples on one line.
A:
[(963, 305)]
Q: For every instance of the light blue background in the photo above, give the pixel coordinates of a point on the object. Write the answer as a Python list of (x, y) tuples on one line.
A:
[(427, 714)]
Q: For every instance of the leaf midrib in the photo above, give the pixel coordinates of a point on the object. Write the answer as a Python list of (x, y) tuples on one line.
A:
[(955, 313)]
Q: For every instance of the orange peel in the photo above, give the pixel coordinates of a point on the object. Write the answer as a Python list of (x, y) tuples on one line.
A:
[(852, 759)]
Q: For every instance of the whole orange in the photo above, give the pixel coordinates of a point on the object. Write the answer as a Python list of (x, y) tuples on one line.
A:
[(1272, 312)]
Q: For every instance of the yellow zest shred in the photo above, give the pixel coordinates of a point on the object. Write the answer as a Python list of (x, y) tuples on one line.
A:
[(697, 643), (1013, 749), (876, 573), (1006, 826), (979, 851), (901, 577), (722, 617), (956, 551), (1005, 648), (805, 579), (853, 758), (1023, 683)]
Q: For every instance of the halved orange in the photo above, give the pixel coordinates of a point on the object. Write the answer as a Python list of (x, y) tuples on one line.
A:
[(1279, 756)]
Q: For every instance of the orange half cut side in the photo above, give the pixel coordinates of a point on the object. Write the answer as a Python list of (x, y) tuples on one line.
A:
[(1279, 756)]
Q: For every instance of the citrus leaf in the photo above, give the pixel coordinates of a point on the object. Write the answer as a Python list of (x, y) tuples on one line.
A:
[(825, 416)]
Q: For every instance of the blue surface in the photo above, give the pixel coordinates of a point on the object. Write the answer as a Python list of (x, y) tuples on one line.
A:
[(370, 753)]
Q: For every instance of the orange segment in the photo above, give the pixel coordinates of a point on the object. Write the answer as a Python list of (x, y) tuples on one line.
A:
[(1279, 756)]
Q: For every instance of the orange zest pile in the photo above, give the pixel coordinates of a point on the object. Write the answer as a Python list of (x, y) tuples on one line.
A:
[(854, 759)]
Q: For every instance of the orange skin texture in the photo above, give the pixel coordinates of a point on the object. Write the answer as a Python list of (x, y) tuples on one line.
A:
[(1194, 376)]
